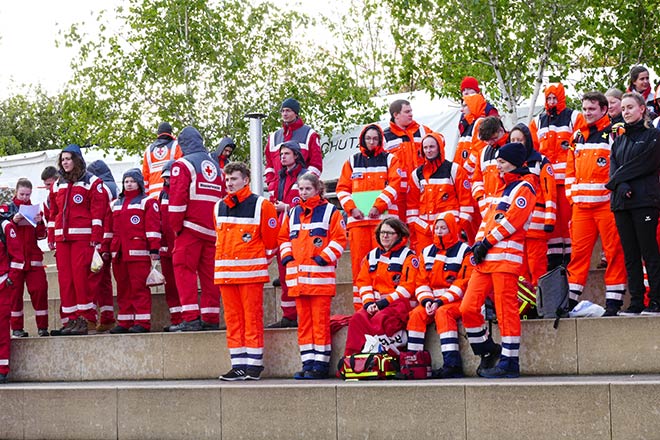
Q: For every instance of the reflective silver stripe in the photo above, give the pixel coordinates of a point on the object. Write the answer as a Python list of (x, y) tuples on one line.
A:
[(250, 274), (198, 228), (79, 231), (239, 262), (138, 253)]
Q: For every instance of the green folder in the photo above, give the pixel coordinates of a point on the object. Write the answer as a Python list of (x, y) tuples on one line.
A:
[(364, 200)]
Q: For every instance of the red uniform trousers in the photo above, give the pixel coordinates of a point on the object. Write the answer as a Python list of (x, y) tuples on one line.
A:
[(37, 285), (244, 316), (171, 292), (101, 284), (192, 257), (388, 321), (133, 295), (535, 261), (505, 288), (446, 324), (287, 303), (361, 240), (73, 261), (5, 343), (559, 240), (314, 337), (586, 225)]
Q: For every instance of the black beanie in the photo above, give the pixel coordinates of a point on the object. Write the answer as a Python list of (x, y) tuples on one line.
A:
[(514, 153), (164, 127), (297, 151), (292, 104)]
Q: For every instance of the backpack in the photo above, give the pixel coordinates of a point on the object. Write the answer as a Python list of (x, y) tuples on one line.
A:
[(414, 365), (552, 295)]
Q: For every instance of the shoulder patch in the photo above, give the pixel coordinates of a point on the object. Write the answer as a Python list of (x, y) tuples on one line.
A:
[(156, 207), (12, 233), (342, 223), (550, 171), (521, 202), (415, 262), (272, 223), (466, 184), (175, 170), (99, 188)]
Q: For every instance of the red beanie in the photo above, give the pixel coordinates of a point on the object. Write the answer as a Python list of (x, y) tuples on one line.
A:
[(470, 82)]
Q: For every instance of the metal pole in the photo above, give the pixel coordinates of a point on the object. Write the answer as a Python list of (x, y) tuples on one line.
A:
[(256, 154)]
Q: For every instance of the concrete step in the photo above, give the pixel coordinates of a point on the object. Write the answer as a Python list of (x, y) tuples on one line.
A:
[(585, 408), (621, 345)]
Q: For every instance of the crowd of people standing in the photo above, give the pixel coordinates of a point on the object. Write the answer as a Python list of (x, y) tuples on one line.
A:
[(430, 238)]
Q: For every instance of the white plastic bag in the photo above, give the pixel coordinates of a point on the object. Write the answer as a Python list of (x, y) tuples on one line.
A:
[(155, 278), (97, 261), (586, 309)]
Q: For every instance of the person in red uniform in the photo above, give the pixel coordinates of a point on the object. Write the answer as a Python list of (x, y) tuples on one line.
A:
[(387, 282), (498, 254), (587, 173), (135, 242), (371, 177), (32, 274), (312, 239), (438, 186), (544, 217), (166, 247), (285, 198), (293, 129), (444, 273), (163, 149), (246, 228), (403, 138), (11, 262), (101, 281), (196, 184), (78, 205), (551, 131)]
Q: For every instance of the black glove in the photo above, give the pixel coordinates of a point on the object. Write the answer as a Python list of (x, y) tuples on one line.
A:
[(439, 302), (286, 260), (479, 250), (425, 301), (319, 260), (382, 303), (548, 228)]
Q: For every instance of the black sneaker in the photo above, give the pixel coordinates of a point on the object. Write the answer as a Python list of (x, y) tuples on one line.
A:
[(652, 310), (233, 375), (299, 375), (254, 373), (3, 378), (276, 282), (611, 311), (633, 310), (316, 374), (19, 333), (451, 372), (284, 323), (489, 360), (43, 332), (188, 326), (498, 372), (118, 330), (137, 328), (207, 326)]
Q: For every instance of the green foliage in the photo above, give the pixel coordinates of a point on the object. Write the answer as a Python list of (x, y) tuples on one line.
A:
[(195, 62)]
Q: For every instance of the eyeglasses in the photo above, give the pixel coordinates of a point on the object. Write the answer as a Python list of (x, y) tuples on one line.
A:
[(387, 233)]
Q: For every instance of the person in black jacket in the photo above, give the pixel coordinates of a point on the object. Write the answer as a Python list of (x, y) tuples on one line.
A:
[(635, 201)]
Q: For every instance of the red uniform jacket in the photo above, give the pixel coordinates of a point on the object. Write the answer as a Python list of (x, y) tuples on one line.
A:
[(167, 235), (11, 255), (136, 226), (28, 235)]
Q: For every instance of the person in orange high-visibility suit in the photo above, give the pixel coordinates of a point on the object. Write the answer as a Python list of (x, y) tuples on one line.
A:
[(374, 173), (246, 228), (498, 254), (551, 132), (587, 173), (444, 273), (403, 138), (312, 238), (544, 217), (161, 151), (387, 282), (438, 186)]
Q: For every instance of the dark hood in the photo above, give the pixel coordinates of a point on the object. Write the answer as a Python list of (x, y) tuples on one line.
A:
[(190, 141), (101, 170)]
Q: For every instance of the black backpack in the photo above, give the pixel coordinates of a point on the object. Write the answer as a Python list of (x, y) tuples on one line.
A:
[(552, 295)]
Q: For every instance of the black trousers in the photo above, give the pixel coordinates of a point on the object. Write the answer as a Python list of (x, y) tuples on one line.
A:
[(637, 230)]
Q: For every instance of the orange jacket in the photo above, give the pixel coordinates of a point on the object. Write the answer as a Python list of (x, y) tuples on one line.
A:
[(469, 143), (406, 145), (312, 238), (370, 171), (246, 228), (445, 267), (552, 130), (486, 181), (504, 227), (391, 275), (438, 186), (588, 164), (164, 149)]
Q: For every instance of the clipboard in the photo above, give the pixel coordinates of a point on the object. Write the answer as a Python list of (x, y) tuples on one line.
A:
[(364, 200)]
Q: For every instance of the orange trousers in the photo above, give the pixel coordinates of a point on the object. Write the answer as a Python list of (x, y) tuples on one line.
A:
[(362, 239), (559, 242), (535, 262), (586, 225), (314, 337), (504, 287), (244, 316), (446, 324)]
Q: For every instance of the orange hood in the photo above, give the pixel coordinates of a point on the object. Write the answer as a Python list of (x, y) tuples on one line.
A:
[(477, 106), (363, 145), (450, 239), (559, 91)]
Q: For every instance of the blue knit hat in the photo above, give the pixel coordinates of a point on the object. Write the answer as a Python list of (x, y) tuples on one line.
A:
[(514, 152), (136, 174), (292, 104)]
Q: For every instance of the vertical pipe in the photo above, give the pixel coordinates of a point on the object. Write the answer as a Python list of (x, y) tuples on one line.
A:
[(256, 154)]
